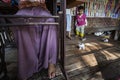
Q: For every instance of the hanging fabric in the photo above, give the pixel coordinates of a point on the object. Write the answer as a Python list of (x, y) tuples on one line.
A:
[(7, 1)]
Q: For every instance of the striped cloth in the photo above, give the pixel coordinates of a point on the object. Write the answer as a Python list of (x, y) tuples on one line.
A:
[(31, 3), (41, 1)]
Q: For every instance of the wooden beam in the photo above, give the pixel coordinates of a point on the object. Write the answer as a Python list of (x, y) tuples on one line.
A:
[(74, 3)]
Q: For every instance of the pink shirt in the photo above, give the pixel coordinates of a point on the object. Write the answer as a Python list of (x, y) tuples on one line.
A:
[(81, 20)]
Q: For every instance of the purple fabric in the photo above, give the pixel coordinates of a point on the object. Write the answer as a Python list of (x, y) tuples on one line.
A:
[(37, 45), (81, 20)]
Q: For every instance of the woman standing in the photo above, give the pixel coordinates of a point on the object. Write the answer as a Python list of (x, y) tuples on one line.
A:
[(37, 45)]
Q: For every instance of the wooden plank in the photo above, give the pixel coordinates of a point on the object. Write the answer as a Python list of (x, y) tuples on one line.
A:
[(100, 29), (74, 3)]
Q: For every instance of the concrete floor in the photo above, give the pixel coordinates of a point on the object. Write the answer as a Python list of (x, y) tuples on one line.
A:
[(99, 60)]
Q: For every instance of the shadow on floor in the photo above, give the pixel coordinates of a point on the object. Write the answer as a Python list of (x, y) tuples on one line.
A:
[(110, 69)]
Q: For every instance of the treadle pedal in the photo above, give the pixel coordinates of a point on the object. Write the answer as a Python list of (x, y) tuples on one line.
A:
[(4, 77), (1, 75)]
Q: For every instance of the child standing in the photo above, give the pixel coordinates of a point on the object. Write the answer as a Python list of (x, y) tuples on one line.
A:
[(81, 22)]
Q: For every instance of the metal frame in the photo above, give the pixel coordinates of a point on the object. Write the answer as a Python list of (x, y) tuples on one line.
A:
[(3, 66)]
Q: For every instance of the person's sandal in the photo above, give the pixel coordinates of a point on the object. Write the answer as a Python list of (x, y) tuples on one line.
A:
[(69, 37)]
